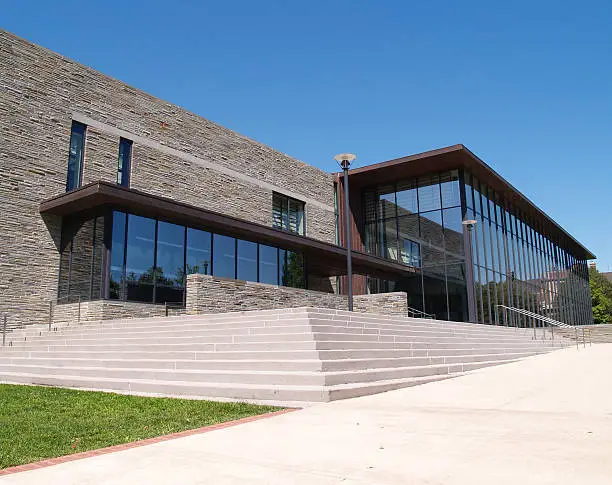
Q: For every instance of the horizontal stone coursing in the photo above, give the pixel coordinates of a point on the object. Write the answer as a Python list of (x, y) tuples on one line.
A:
[(95, 310), (208, 294)]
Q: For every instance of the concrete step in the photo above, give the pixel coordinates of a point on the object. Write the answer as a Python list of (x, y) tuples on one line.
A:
[(195, 323), (294, 364), (292, 355), (288, 395), (340, 335), (272, 346), (202, 330)]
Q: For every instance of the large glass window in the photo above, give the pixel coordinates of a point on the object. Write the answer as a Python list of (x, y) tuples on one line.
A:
[(429, 193), (453, 234), (450, 190), (170, 266), (198, 251), (407, 198), (386, 201), (124, 162), (247, 260), (268, 264), (293, 270), (140, 258), (224, 256), (75, 156), (150, 259), (117, 257)]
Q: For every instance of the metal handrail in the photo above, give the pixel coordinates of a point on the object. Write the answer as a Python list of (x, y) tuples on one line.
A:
[(173, 304), (57, 300), (414, 311), (553, 323)]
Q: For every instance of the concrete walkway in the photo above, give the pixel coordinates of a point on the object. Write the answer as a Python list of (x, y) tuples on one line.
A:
[(544, 420)]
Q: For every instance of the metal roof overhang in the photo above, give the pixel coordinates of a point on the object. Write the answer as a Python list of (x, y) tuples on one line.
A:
[(322, 258), (454, 157)]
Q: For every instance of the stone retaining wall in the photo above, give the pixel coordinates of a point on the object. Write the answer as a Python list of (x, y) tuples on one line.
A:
[(91, 311), (209, 294)]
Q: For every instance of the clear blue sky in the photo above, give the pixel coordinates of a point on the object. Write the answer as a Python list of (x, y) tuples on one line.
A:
[(526, 85)]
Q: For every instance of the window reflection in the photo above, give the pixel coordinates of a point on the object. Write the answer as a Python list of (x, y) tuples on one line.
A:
[(140, 258), (169, 271), (198, 251), (268, 264), (224, 256), (158, 260), (247, 260)]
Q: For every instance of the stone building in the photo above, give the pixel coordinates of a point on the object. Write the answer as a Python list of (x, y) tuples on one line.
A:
[(122, 202)]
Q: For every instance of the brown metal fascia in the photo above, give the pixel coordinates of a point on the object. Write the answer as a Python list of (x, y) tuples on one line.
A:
[(462, 157), (102, 194)]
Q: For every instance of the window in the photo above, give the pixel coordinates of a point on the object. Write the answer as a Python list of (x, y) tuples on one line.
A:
[(224, 256), (268, 264), (149, 260), (287, 214), (411, 253), (117, 258), (198, 252), (140, 258), (125, 162), (75, 156), (170, 264), (247, 260)]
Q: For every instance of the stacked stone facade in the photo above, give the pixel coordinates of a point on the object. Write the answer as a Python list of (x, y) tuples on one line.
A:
[(176, 154), (208, 294)]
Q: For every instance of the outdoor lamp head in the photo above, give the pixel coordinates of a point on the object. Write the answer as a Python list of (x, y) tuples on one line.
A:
[(345, 159), (470, 223)]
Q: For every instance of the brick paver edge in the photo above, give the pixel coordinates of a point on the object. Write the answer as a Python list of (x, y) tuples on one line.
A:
[(134, 444)]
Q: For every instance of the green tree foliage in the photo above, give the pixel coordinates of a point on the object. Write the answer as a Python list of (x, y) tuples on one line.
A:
[(601, 296)]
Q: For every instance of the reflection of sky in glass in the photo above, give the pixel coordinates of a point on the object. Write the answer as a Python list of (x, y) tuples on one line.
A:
[(224, 254), (268, 264), (141, 244), (247, 261), (170, 244)]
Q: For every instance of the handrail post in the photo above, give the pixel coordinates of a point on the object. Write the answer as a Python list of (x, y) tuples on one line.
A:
[(535, 336), (79, 310), (4, 331), (583, 339), (50, 314), (577, 346)]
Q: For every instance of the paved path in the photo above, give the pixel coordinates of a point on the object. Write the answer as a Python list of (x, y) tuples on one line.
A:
[(545, 420)]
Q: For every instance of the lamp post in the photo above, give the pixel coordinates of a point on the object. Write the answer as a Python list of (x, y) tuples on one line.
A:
[(345, 159), (469, 225)]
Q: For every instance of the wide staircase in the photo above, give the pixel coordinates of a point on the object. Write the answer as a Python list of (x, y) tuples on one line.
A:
[(290, 356)]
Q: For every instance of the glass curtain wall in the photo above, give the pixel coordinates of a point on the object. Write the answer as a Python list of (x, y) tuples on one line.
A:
[(518, 265), (149, 259), (81, 273), (418, 222)]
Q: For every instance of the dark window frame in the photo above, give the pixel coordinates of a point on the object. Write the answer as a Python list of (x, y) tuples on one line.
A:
[(124, 166), (75, 181)]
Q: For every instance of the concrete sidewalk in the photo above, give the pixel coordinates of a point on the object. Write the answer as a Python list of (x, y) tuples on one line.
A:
[(543, 420)]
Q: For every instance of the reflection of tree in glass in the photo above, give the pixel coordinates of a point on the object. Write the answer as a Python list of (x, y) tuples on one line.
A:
[(157, 275), (293, 271)]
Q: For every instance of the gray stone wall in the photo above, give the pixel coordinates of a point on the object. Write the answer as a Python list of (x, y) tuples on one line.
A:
[(175, 153), (395, 303), (95, 310), (209, 294)]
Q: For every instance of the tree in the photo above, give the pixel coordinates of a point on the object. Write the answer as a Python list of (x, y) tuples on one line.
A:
[(601, 296)]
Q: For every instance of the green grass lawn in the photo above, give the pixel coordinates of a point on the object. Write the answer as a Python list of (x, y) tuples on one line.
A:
[(45, 422)]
